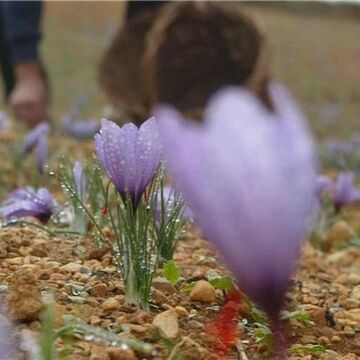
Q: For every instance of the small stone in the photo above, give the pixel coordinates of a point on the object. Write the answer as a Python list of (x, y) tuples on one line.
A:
[(71, 267), (110, 304), (336, 339), (99, 353), (164, 286), (194, 324), (338, 257), (350, 357), (181, 311), (95, 320), (120, 354), (59, 312), (354, 279), (84, 347), (352, 304), (339, 233), (167, 324), (39, 248), (203, 291), (15, 261), (355, 293), (24, 296), (139, 329), (309, 339), (195, 349), (158, 297), (330, 355), (323, 340), (354, 315), (100, 290), (316, 314)]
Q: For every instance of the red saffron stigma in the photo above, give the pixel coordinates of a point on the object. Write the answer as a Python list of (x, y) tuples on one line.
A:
[(146, 195), (105, 210), (223, 330)]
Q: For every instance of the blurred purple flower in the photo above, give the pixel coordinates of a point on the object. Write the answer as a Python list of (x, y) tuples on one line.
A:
[(338, 148), (32, 138), (7, 347), (248, 175), (24, 202), (323, 185), (4, 121), (80, 180), (80, 129), (169, 195), (37, 138), (130, 156), (345, 191)]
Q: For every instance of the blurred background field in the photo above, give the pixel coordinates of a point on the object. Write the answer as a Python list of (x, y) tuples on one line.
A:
[(315, 51)]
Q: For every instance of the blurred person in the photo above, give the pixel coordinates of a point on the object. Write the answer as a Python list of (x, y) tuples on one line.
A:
[(25, 84), (181, 53)]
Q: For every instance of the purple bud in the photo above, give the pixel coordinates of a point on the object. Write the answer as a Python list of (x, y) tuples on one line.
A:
[(130, 156), (80, 180), (80, 129), (345, 191), (24, 202), (323, 185), (248, 175)]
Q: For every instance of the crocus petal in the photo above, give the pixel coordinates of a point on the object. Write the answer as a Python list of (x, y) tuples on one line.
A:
[(248, 174), (148, 150)]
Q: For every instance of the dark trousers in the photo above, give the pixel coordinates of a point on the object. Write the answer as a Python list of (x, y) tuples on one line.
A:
[(7, 69)]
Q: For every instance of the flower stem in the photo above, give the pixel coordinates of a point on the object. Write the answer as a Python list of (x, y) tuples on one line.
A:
[(280, 340)]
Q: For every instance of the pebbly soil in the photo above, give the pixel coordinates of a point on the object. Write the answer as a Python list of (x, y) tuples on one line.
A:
[(326, 287)]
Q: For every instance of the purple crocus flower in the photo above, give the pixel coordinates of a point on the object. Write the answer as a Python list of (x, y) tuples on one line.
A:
[(80, 129), (37, 138), (79, 180), (129, 155), (345, 191), (24, 202), (248, 175)]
